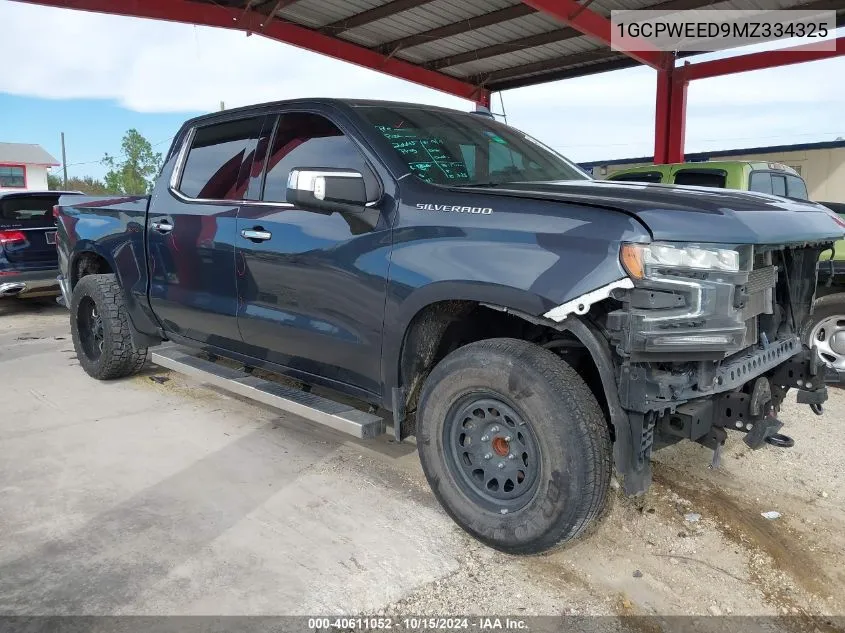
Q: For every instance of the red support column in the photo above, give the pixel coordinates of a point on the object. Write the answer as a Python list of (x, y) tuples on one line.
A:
[(661, 116), (670, 116), (677, 117)]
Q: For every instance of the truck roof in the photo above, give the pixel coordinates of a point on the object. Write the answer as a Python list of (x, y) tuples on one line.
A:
[(713, 164), (317, 101)]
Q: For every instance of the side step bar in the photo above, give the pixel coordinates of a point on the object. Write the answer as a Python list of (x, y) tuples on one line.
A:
[(340, 417)]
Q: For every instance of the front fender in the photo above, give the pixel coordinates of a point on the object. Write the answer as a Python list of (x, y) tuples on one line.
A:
[(525, 255), (401, 318)]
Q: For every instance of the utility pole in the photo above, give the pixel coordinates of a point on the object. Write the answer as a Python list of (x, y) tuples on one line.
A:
[(64, 162)]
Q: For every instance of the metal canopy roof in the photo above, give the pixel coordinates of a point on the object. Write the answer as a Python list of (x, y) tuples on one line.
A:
[(494, 44), (470, 48)]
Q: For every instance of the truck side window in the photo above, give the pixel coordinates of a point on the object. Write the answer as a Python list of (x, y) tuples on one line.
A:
[(701, 178), (760, 181), (796, 188), (303, 139), (213, 168), (640, 176), (778, 185)]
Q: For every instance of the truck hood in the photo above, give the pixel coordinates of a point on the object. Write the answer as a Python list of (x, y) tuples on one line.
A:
[(693, 214)]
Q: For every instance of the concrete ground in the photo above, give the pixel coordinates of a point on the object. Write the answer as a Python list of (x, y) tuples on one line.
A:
[(148, 497)]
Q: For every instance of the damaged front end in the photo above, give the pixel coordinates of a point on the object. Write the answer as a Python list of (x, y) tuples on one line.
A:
[(707, 341)]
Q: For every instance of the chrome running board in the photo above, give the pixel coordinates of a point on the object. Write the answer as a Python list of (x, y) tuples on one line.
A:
[(335, 415)]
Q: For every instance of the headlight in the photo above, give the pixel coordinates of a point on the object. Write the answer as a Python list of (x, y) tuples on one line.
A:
[(639, 259)]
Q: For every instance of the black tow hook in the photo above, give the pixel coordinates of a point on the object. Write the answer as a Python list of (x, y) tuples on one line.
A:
[(780, 440), (817, 408)]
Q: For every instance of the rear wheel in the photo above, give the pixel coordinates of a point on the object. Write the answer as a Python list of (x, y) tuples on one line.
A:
[(514, 445), (100, 327)]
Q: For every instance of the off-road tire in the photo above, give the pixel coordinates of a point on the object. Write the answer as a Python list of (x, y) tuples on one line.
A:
[(575, 452), (118, 357)]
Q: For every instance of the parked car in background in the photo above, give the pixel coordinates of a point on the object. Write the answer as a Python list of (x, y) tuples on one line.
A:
[(825, 328), (29, 264), (765, 177)]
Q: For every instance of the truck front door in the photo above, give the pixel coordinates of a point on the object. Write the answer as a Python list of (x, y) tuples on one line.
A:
[(192, 229), (311, 285)]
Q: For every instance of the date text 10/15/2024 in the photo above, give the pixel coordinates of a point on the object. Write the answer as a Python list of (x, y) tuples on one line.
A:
[(420, 623)]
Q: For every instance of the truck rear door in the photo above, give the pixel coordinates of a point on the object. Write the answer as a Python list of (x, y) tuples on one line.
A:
[(28, 231)]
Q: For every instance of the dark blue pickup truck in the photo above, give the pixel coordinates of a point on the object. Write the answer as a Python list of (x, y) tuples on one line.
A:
[(532, 328)]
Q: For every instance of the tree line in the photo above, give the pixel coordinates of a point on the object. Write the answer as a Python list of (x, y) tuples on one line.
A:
[(131, 173)]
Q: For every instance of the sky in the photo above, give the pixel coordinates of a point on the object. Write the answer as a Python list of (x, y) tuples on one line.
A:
[(95, 76)]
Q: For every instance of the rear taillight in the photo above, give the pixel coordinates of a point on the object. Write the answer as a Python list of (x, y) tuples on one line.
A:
[(56, 211), (11, 237)]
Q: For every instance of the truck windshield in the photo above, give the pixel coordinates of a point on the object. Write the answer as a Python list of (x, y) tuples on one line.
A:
[(448, 148)]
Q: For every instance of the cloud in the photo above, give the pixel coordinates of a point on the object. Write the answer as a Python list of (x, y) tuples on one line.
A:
[(150, 66)]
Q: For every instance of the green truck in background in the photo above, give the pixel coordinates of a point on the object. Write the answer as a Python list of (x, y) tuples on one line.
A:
[(826, 327)]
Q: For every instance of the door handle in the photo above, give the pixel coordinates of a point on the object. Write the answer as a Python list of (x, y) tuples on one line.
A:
[(162, 226), (257, 234)]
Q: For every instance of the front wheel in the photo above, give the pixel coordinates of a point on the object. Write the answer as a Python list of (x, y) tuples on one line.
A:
[(514, 445), (825, 330), (100, 327)]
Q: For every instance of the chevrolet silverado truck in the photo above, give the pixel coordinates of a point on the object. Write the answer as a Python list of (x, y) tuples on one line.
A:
[(531, 327)]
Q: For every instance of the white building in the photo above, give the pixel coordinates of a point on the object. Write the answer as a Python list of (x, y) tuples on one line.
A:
[(24, 166)]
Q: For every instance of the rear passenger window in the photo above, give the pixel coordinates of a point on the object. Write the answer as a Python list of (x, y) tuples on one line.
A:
[(213, 169), (796, 188), (700, 178), (760, 181), (303, 139), (778, 185), (643, 176)]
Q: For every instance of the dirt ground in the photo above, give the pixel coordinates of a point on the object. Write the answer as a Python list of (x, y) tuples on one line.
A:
[(695, 544)]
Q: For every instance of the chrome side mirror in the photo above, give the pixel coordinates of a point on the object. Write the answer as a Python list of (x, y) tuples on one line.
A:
[(325, 188)]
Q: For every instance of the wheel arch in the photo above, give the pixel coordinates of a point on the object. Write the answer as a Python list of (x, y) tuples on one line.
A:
[(418, 338), (88, 259), (448, 295)]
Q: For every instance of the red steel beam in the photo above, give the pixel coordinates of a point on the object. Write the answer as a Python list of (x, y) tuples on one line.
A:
[(208, 14), (596, 26), (670, 116), (661, 116), (677, 119), (762, 60)]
